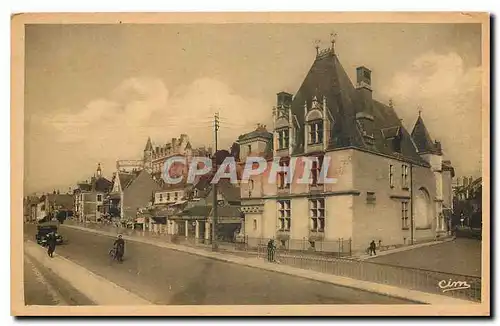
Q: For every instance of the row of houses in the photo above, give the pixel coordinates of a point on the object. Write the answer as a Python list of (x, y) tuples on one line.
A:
[(392, 185), (48, 206)]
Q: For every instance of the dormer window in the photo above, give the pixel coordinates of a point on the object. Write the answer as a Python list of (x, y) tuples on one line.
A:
[(316, 132), (283, 139), (396, 144)]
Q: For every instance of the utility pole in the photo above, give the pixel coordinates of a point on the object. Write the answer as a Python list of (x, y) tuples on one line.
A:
[(411, 205), (214, 186)]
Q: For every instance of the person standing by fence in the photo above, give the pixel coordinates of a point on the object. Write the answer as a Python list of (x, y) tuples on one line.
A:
[(372, 248), (270, 250)]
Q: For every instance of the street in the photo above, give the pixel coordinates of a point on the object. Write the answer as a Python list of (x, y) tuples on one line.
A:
[(165, 276)]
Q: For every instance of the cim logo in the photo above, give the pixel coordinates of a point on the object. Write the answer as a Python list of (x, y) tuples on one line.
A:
[(451, 285)]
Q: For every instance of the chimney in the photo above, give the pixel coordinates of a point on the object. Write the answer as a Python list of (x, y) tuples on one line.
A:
[(365, 116), (439, 149), (283, 102), (284, 99)]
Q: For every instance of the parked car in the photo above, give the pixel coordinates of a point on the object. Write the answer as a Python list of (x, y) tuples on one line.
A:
[(43, 231)]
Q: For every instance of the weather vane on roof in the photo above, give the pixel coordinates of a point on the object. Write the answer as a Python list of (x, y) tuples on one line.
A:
[(333, 39)]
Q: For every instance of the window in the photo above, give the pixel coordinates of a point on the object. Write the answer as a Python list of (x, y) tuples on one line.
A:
[(249, 149), (404, 176), (396, 143), (161, 197), (391, 176), (176, 196), (99, 197), (366, 74), (284, 215), (254, 224), (282, 176), (316, 133), (250, 188), (370, 197), (168, 197), (404, 214), (317, 214), (283, 139), (196, 193), (316, 171)]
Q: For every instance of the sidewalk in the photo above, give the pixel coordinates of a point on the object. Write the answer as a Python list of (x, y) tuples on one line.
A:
[(404, 248), (411, 295), (98, 289)]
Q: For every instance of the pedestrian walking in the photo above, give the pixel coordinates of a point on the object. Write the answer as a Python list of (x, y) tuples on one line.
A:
[(51, 244), (372, 248)]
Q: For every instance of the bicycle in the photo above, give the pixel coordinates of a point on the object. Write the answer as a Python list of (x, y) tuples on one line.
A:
[(112, 253)]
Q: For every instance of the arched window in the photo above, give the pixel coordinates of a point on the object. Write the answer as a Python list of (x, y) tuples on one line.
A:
[(315, 132)]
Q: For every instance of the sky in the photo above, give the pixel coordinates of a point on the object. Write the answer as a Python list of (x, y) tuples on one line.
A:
[(94, 93)]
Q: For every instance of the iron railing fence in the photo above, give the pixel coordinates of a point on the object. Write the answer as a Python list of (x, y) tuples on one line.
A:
[(335, 263), (459, 286)]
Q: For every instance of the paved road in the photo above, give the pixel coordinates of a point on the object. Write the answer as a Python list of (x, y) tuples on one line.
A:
[(43, 287), (165, 276), (460, 256)]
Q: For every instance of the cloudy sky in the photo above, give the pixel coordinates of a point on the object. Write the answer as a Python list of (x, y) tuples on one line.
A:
[(94, 93)]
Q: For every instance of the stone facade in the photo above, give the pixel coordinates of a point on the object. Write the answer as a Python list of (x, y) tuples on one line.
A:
[(391, 186)]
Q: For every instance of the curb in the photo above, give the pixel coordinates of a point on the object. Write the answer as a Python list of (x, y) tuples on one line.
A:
[(387, 290), (98, 289)]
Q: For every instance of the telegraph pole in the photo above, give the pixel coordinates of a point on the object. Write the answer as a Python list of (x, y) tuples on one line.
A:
[(214, 186), (411, 204)]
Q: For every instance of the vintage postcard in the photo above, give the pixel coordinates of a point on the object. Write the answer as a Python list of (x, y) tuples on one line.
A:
[(299, 164)]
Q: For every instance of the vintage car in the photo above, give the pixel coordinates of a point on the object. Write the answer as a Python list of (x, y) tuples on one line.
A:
[(43, 231)]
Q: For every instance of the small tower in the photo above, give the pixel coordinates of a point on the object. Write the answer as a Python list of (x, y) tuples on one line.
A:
[(148, 156), (99, 171)]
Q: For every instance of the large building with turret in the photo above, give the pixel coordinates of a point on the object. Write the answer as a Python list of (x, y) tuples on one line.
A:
[(392, 186)]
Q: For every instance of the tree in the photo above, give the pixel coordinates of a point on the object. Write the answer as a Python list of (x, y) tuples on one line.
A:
[(235, 151)]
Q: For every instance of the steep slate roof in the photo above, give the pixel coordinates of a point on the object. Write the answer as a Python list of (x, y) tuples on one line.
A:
[(421, 137), (260, 132), (126, 179), (328, 78), (102, 185), (230, 192)]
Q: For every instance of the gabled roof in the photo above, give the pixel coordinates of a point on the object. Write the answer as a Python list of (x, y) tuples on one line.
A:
[(102, 185), (260, 132), (126, 179), (149, 145), (422, 138)]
